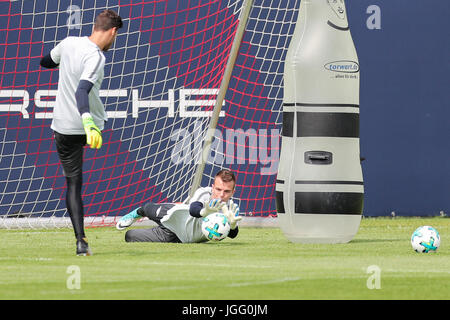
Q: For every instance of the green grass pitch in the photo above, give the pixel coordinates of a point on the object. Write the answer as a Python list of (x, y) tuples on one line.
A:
[(259, 264)]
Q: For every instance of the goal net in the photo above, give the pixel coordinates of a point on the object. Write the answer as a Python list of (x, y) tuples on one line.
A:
[(161, 82)]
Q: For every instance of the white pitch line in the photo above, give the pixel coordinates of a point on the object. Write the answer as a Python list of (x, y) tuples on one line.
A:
[(257, 283), (242, 284), (243, 266), (414, 271)]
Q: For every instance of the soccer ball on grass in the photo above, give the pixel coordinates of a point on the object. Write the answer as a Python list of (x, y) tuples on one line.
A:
[(215, 227), (425, 239)]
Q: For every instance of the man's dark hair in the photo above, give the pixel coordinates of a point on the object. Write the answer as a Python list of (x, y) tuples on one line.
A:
[(108, 19), (226, 175)]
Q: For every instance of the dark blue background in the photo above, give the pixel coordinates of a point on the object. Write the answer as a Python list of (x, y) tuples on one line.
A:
[(405, 106)]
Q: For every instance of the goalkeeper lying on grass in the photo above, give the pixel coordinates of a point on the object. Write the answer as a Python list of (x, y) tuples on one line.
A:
[(182, 222)]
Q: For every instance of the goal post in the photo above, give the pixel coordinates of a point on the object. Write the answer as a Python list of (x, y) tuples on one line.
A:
[(243, 18), (164, 93)]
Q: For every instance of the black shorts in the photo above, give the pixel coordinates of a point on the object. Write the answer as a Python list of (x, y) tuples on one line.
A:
[(70, 150)]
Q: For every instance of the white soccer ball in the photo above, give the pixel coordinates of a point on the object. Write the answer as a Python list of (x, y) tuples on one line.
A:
[(425, 239), (215, 226)]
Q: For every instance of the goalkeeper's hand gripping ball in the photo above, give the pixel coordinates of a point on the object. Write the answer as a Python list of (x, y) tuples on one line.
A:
[(232, 213)]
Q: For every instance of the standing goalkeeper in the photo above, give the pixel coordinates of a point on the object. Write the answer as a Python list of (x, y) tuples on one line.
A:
[(183, 222), (79, 114)]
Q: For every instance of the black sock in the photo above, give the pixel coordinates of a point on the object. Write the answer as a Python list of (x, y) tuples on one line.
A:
[(74, 204)]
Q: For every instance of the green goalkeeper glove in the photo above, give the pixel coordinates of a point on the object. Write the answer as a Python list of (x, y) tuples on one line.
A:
[(232, 213), (214, 205), (93, 134)]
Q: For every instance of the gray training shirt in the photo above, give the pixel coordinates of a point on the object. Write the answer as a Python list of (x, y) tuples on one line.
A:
[(79, 59)]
